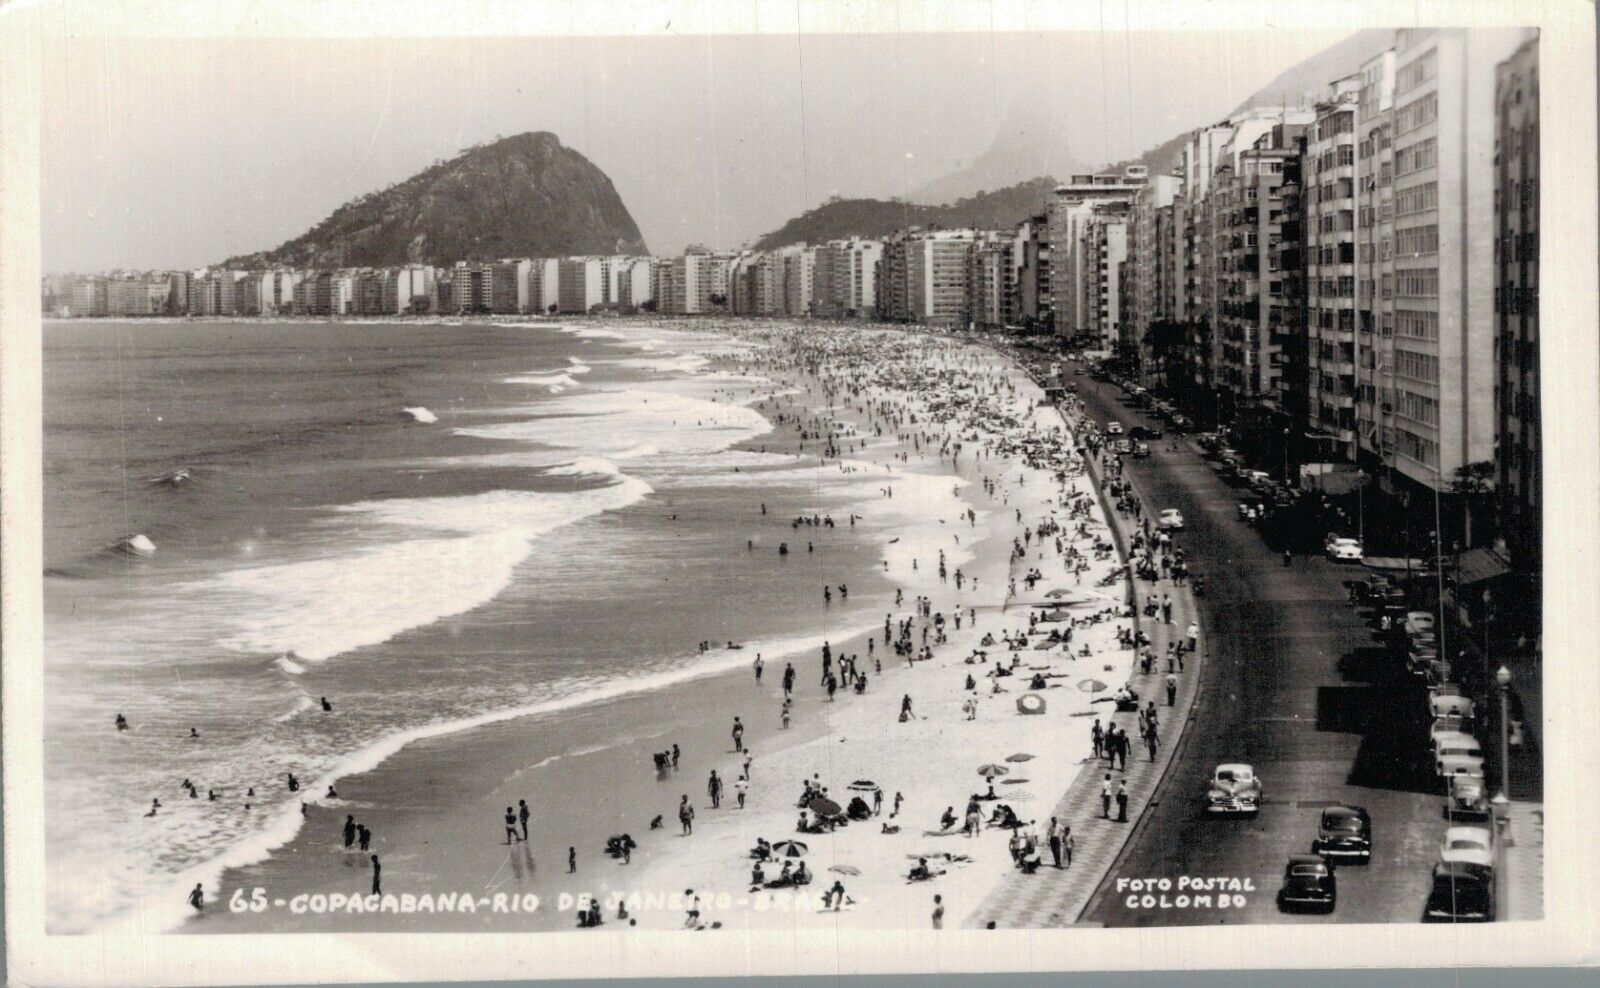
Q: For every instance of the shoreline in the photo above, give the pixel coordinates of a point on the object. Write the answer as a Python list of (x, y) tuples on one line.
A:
[(710, 690)]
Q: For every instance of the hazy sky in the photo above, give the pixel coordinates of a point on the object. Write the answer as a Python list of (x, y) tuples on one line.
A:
[(181, 153)]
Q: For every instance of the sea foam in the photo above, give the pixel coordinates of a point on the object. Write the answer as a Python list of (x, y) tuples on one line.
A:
[(462, 555)]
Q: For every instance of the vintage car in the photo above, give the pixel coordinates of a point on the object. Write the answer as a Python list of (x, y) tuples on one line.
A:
[(1113, 428), (1418, 622), (1446, 698), (1170, 520), (1468, 799), (1462, 893), (1468, 845), (1141, 451), (1343, 550), (1344, 833), (1456, 753), (1308, 882), (1234, 788)]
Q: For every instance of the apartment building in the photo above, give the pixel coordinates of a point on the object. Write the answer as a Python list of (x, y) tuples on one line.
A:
[(1519, 470), (990, 281), (1071, 210), (936, 277)]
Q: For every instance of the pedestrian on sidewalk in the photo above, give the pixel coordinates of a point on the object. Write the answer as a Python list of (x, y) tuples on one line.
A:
[(1097, 737), (1152, 740), (1055, 840), (1105, 798), (1068, 842), (1166, 608), (1172, 690), (1122, 802), (1194, 636)]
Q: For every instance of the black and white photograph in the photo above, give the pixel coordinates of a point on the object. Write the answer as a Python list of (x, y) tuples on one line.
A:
[(801, 474)]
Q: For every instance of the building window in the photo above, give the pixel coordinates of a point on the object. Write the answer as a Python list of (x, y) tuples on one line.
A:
[(1415, 157)]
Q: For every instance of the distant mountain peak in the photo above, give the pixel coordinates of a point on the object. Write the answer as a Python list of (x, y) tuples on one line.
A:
[(838, 218), (520, 196), (1026, 144)]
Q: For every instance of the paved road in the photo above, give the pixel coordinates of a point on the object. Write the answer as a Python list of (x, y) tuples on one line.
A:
[(1296, 686)]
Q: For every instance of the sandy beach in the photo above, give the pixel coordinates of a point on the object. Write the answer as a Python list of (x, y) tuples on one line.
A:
[(958, 429)]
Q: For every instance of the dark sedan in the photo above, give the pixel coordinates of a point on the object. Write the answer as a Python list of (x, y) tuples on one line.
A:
[(1308, 883), (1344, 834)]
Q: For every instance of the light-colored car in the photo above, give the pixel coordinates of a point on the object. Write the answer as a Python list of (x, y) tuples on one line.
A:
[(1344, 550), (1113, 428), (1447, 701), (1170, 520), (1468, 845), (1468, 798), (1455, 753), (1448, 724), (1255, 478), (1419, 622), (1234, 788)]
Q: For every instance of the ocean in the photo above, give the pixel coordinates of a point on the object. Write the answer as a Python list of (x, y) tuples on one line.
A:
[(431, 525)]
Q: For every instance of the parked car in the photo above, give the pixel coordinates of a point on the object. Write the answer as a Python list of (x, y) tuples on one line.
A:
[(1170, 520), (1461, 893), (1343, 550), (1256, 478), (1419, 622), (1181, 423), (1141, 451), (1249, 510), (1344, 833), (1113, 428), (1467, 799), (1308, 882), (1457, 754), (1448, 724), (1447, 701), (1143, 432), (1234, 788), (1468, 845)]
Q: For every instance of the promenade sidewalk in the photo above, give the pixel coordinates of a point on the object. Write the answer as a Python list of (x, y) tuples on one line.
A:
[(1052, 897)]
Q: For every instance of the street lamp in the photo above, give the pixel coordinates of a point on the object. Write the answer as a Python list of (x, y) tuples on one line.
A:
[(1286, 456), (1503, 678)]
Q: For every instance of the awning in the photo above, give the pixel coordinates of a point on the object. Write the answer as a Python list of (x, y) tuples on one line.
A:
[(1479, 565), (1396, 564)]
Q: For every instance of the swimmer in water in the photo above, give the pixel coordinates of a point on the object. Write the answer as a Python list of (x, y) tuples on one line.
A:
[(122, 723), (326, 706)]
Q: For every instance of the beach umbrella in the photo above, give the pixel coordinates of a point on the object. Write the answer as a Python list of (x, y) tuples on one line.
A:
[(991, 770), (846, 869), (1030, 703), (1091, 685), (789, 849), (823, 806), (1021, 756), (863, 785)]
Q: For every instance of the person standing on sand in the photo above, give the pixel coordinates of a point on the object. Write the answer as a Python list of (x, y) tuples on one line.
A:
[(377, 876), (741, 787), (349, 831), (738, 735), (759, 666), (938, 912), (197, 898), (788, 679), (686, 815), (511, 826), (572, 860), (714, 790), (693, 919), (905, 708), (522, 816), (675, 755)]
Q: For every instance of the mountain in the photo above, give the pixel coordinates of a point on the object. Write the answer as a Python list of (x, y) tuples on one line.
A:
[(522, 196), (839, 218), (1026, 144), (1298, 86), (1308, 81)]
